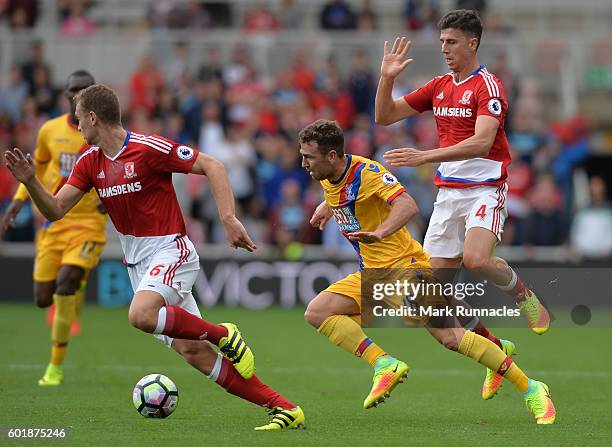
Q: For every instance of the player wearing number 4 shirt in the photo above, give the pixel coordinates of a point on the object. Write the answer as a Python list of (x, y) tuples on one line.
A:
[(132, 175), (469, 106)]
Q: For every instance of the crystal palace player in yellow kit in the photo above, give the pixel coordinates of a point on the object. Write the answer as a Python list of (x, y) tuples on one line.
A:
[(68, 249), (372, 208)]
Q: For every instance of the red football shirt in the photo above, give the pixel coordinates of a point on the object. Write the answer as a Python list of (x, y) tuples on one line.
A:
[(135, 187), (456, 107)]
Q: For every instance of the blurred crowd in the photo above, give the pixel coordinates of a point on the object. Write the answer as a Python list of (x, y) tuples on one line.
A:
[(75, 17), (225, 108)]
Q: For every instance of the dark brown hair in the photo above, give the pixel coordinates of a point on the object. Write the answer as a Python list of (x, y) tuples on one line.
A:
[(102, 101), (466, 20), (327, 134)]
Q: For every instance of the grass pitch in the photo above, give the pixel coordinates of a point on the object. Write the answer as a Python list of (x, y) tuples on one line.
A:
[(439, 404)]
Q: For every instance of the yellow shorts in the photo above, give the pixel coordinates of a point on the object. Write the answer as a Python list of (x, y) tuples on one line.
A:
[(351, 286), (79, 247)]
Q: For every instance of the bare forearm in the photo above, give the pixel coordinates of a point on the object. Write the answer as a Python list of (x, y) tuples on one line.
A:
[(221, 189), (403, 209), (47, 203), (472, 147), (384, 100)]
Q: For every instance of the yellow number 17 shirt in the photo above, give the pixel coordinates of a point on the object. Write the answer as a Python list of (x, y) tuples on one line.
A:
[(360, 201)]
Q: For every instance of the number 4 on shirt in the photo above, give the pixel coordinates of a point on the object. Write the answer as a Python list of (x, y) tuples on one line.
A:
[(482, 212)]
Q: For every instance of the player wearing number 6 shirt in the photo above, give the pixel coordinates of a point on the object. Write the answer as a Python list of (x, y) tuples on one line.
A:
[(132, 175), (469, 106)]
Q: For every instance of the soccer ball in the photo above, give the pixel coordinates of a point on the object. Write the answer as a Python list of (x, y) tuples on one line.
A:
[(155, 396)]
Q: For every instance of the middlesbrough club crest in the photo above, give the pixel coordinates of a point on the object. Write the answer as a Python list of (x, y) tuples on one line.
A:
[(466, 97), (129, 170)]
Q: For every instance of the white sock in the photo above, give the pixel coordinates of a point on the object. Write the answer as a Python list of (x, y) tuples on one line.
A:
[(511, 284), (161, 321), (214, 374)]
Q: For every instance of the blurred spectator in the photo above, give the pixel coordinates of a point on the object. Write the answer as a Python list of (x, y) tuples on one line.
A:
[(260, 19), (13, 92), (359, 138), (36, 59), (421, 14), (591, 233), (362, 84), (236, 70), (290, 14), (211, 67), (197, 15), (237, 153), (43, 92), (287, 217), (211, 130), (367, 20), (145, 84), (526, 130), (163, 13), (338, 15), (302, 75), (520, 180), (76, 23), (478, 5), (177, 66), (21, 13), (546, 225), (286, 167)]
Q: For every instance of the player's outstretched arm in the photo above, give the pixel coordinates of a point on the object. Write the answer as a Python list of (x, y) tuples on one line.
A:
[(52, 207), (403, 208), (224, 197), (388, 110), (475, 146)]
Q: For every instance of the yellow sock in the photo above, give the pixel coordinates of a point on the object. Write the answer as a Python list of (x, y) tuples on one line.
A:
[(348, 335), (487, 353), (65, 313), (517, 377), (58, 353)]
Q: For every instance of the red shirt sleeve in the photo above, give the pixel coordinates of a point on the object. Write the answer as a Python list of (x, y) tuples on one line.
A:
[(491, 99), (170, 156), (80, 176), (422, 98)]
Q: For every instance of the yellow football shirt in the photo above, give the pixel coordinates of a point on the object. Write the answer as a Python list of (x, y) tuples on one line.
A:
[(58, 146), (361, 201)]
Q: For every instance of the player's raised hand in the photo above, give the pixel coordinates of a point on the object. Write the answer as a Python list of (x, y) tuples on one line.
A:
[(365, 237), (237, 235), (321, 216), (394, 61), (21, 166), (8, 220), (405, 156)]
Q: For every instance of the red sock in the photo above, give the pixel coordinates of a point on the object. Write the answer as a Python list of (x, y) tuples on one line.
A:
[(182, 324), (481, 330), (520, 291), (253, 389)]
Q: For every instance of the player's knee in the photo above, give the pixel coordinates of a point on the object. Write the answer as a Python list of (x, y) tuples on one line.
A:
[(314, 316), (68, 286), (43, 297), (142, 320)]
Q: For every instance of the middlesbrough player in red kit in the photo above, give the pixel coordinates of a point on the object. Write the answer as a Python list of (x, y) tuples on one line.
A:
[(132, 175), (469, 106)]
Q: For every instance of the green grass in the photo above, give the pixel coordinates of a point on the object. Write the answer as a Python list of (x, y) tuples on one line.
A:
[(439, 404)]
